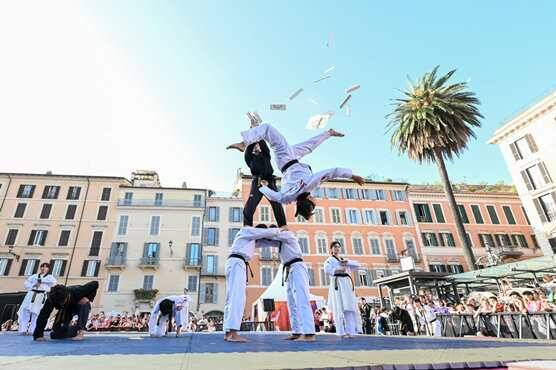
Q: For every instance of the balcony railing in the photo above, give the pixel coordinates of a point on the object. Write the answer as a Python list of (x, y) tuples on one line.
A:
[(214, 273), (116, 261), (150, 262), (192, 262), (158, 203)]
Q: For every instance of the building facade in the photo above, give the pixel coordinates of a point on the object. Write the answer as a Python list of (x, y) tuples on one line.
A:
[(66, 220), (528, 145), (223, 219), (492, 215), (155, 250)]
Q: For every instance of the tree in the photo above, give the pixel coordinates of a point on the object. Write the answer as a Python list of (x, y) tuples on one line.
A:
[(433, 122)]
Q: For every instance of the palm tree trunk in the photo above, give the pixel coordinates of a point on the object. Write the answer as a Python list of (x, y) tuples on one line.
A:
[(467, 248)]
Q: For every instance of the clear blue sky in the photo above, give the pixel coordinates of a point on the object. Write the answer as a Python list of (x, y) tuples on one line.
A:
[(205, 63)]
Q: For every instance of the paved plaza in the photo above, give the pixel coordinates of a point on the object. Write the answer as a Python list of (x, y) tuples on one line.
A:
[(265, 351)]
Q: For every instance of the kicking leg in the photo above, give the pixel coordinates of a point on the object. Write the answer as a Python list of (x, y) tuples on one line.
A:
[(307, 146)]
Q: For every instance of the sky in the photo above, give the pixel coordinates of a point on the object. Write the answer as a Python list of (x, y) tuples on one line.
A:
[(105, 88)]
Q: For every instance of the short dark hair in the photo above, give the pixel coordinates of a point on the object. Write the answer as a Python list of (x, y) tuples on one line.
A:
[(58, 295), (272, 226), (166, 307), (45, 264), (334, 243), (304, 206), (261, 226)]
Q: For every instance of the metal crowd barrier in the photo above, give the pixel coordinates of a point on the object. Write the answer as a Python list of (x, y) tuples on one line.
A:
[(538, 325)]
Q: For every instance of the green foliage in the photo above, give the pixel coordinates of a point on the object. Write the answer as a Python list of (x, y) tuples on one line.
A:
[(145, 294)]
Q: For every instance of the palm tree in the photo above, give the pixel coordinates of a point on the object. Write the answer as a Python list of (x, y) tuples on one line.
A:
[(433, 122)]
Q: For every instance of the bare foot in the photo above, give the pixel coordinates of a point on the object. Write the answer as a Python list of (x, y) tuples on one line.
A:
[(292, 337), (333, 132), (79, 336), (235, 337), (358, 179), (306, 338), (238, 146)]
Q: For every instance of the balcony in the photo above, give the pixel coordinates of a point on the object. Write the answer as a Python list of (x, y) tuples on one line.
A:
[(116, 262), (149, 263), (509, 251), (192, 263), (158, 203), (213, 273)]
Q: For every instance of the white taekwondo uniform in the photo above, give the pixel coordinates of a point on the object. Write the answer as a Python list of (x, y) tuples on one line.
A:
[(158, 324), (37, 288)]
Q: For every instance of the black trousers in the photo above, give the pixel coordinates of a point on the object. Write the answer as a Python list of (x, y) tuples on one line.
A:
[(255, 197), (64, 329), (367, 326)]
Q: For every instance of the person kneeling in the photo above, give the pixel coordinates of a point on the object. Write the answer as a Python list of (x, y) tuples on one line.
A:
[(69, 301)]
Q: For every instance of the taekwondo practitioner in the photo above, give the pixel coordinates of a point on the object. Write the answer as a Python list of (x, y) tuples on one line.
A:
[(298, 178), (296, 276), (257, 158), (341, 296), (69, 301), (166, 308), (37, 285), (241, 252)]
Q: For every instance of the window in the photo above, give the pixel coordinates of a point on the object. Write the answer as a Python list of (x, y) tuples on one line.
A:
[(357, 246), (195, 226), (375, 245), (11, 237), (264, 214), (525, 215), (64, 238), (193, 254), (477, 214), (384, 217), (318, 192), (113, 283), (390, 249), (546, 207), (429, 239), (122, 225), (197, 200), (58, 267), (300, 219), (25, 191), (211, 236), (158, 199), (29, 267), (399, 195), (333, 193), (265, 253), (364, 278), (304, 244), (50, 192), (318, 216), (437, 268), (403, 217), (439, 214), (70, 211), (518, 240), (105, 194), (535, 242), (371, 217), (410, 248), (463, 214), (509, 215), (45, 211), (155, 225), (95, 243), (380, 194), (322, 247), (335, 212), (266, 276), (486, 240), (128, 198), (235, 214), (101, 215), (374, 194), (324, 277), (148, 281), (422, 212), (455, 269), (311, 276), (493, 216), (213, 214), (502, 240), (232, 235), (192, 283), (536, 176), (353, 216), (447, 239), (209, 293), (20, 210), (523, 147), (37, 237), (351, 194), (73, 193), (210, 264)]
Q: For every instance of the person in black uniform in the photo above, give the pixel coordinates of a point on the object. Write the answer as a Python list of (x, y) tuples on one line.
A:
[(69, 301), (257, 158), (365, 311)]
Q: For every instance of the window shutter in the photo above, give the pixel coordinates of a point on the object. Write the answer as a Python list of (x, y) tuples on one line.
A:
[(230, 237), (230, 214), (357, 279), (23, 267), (241, 214), (531, 142), (369, 277), (43, 238), (84, 268), (205, 236), (216, 232), (527, 180), (515, 152), (205, 265), (188, 253), (215, 264), (540, 210), (63, 268), (20, 191), (217, 214), (97, 268), (215, 293), (51, 262), (202, 293), (32, 237), (544, 172), (8, 266), (348, 219), (36, 266)]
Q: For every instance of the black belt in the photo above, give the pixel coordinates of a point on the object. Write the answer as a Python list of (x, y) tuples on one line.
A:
[(288, 165), (246, 265), (343, 274), (286, 268), (35, 292)]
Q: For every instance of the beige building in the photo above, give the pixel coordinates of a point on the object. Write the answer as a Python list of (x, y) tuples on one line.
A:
[(156, 247), (67, 220), (223, 219), (528, 144)]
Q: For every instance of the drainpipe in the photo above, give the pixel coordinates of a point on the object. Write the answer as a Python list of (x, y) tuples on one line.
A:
[(6, 193), (201, 252), (77, 232)]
